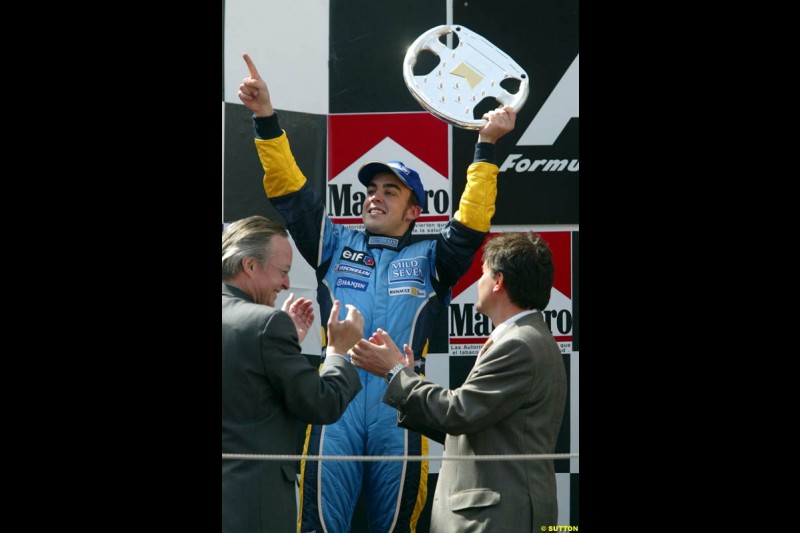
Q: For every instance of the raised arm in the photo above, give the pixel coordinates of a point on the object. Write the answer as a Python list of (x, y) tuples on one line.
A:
[(253, 92)]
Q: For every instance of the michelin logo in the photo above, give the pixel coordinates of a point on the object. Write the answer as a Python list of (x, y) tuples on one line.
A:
[(351, 283), (350, 269)]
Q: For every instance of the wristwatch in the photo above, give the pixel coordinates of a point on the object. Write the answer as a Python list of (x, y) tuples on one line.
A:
[(395, 369)]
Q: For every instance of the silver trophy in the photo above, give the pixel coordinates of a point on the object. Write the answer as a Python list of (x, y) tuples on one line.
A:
[(465, 75)]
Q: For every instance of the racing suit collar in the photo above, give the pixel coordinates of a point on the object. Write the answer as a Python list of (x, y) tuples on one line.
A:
[(393, 243)]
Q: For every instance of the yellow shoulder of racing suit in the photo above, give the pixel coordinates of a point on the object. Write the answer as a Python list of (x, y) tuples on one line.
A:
[(281, 173), (476, 208)]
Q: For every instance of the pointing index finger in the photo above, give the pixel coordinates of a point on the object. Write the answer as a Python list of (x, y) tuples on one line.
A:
[(251, 67)]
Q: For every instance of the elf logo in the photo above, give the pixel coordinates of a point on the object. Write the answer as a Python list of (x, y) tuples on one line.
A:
[(354, 256)]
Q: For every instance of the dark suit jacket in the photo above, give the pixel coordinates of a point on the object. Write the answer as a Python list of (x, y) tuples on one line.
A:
[(512, 402), (268, 388)]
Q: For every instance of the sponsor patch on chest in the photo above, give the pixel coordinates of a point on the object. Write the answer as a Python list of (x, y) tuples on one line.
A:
[(413, 269), (343, 268), (354, 256), (351, 283), (407, 291)]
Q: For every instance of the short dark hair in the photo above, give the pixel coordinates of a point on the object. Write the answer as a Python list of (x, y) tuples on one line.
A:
[(526, 263)]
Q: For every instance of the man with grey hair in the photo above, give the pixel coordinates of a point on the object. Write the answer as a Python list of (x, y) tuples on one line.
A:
[(399, 281), (268, 387)]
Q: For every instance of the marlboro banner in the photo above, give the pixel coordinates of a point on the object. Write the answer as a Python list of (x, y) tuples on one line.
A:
[(469, 329), (417, 139)]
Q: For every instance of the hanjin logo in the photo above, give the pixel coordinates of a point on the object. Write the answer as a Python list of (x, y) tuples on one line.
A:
[(351, 284)]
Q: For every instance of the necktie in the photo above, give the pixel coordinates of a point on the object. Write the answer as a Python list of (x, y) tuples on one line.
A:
[(485, 346)]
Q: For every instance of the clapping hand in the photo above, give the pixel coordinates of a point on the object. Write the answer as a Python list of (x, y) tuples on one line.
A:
[(380, 353), (302, 313)]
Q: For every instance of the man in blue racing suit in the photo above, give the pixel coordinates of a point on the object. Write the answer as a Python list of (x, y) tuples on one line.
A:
[(398, 283)]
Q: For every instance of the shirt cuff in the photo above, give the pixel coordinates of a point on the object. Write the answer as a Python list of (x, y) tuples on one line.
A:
[(267, 127), (484, 152)]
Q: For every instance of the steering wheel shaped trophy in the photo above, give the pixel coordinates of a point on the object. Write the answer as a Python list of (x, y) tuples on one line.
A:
[(465, 76)]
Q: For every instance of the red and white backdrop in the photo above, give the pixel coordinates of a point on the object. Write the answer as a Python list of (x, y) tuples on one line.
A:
[(334, 70)]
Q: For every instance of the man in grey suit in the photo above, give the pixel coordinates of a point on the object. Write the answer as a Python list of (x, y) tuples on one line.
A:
[(512, 401), (268, 387)]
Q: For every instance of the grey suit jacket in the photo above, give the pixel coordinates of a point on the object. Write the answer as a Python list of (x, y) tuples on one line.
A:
[(268, 388), (512, 402)]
